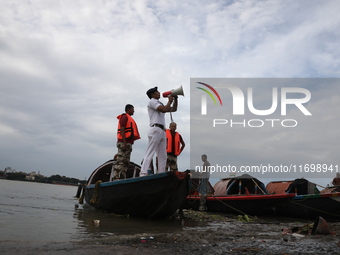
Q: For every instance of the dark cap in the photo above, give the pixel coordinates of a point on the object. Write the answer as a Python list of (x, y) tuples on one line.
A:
[(150, 91)]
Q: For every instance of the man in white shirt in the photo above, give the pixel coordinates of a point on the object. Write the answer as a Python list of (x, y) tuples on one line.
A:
[(156, 134)]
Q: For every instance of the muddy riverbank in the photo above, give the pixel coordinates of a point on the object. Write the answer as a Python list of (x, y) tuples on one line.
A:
[(215, 235)]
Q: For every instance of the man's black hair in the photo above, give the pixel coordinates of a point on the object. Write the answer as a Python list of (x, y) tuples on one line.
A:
[(128, 107)]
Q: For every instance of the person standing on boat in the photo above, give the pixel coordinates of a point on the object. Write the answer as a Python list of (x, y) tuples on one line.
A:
[(156, 134), (203, 187), (127, 133), (204, 183), (174, 147), (336, 180)]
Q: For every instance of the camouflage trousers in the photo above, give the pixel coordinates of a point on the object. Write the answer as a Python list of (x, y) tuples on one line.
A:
[(122, 160), (171, 163)]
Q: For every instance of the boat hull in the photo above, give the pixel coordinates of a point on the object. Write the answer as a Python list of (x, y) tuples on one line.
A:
[(312, 206), (154, 196), (242, 204)]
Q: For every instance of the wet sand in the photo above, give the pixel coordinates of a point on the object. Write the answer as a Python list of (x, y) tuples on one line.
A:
[(221, 235)]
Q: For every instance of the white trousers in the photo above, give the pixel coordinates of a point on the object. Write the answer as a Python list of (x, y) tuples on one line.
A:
[(157, 144)]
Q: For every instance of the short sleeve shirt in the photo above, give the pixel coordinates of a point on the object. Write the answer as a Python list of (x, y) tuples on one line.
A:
[(156, 117)]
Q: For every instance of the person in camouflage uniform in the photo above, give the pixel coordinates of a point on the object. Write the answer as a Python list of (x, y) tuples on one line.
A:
[(127, 133), (122, 160)]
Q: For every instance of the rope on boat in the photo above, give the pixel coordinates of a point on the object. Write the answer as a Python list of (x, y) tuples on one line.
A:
[(94, 199), (258, 186), (81, 198), (318, 210), (196, 186), (230, 206), (321, 186)]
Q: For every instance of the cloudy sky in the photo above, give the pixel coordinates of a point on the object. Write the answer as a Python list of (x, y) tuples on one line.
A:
[(69, 67)]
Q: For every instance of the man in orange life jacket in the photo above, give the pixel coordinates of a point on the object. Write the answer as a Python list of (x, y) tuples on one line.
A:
[(175, 146), (127, 133)]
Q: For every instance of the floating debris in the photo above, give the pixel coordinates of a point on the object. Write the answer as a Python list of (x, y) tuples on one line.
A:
[(203, 216), (246, 218), (96, 223)]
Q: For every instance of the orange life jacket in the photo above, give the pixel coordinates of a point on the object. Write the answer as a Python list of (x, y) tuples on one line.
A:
[(176, 144), (130, 128)]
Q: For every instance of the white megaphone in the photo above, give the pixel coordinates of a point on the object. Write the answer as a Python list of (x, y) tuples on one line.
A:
[(175, 92)]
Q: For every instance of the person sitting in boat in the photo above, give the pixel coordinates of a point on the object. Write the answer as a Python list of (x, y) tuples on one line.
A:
[(336, 180), (127, 133)]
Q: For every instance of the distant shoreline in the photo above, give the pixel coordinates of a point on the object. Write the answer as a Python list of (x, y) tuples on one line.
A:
[(54, 183)]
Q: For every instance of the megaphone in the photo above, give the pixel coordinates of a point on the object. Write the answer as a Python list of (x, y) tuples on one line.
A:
[(175, 92)]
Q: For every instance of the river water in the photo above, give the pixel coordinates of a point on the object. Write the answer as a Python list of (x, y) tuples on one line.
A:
[(45, 218), (33, 212)]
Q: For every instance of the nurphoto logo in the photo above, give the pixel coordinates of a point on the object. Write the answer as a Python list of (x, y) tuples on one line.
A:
[(280, 99), (273, 127)]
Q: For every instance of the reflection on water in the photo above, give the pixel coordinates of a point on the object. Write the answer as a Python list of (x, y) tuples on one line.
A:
[(119, 225), (114, 225)]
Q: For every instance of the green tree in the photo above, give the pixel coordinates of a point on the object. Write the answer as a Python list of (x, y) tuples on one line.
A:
[(16, 176)]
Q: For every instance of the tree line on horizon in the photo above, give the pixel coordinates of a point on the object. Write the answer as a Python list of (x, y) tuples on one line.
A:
[(39, 178)]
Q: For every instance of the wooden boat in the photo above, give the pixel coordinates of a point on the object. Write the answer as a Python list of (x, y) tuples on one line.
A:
[(309, 202), (240, 195), (153, 196)]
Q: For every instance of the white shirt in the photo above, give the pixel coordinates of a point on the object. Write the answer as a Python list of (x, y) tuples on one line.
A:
[(156, 117)]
